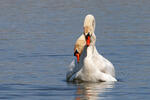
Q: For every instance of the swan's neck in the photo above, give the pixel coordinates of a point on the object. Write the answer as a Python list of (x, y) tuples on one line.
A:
[(87, 63), (90, 50), (93, 40)]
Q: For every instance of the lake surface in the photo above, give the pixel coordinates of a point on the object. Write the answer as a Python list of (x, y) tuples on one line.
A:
[(36, 46)]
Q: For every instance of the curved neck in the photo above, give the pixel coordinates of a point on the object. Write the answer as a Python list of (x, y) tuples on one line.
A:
[(93, 39)]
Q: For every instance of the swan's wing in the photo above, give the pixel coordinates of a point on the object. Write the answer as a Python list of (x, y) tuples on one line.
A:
[(109, 67), (104, 64), (73, 69), (70, 72), (105, 77), (72, 65)]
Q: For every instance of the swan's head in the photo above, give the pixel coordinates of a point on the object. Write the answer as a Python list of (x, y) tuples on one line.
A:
[(89, 28), (79, 46)]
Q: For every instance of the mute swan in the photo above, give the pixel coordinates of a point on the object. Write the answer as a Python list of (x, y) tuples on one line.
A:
[(90, 65)]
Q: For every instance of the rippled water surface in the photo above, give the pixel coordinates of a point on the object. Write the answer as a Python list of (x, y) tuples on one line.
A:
[(36, 47)]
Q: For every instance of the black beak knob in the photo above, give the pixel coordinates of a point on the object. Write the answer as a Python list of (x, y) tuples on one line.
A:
[(87, 35), (76, 52)]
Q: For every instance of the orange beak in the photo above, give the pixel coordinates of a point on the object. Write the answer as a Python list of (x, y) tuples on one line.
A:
[(88, 40), (78, 57)]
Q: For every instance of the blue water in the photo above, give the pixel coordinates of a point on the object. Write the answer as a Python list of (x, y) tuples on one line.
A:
[(36, 46)]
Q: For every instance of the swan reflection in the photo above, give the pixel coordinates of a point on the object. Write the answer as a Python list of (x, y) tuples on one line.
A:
[(92, 91)]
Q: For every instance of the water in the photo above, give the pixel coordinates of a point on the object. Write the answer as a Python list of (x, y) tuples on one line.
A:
[(36, 47)]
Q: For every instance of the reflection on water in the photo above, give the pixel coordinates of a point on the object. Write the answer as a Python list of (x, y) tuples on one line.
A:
[(92, 91)]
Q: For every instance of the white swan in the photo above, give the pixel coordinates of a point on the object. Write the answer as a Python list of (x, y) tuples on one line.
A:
[(90, 65)]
